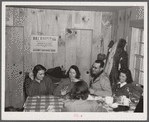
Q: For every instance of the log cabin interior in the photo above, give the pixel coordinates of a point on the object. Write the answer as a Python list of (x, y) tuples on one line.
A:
[(83, 32)]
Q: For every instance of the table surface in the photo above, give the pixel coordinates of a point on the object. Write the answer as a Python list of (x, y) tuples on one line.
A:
[(42, 103), (108, 107)]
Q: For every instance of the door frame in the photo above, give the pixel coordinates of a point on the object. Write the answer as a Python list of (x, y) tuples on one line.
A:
[(23, 45), (22, 27), (91, 44), (82, 29)]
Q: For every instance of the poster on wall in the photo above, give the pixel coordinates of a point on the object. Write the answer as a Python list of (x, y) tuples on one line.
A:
[(44, 44)]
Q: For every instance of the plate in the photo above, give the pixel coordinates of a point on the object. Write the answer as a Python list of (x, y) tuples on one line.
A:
[(114, 105)]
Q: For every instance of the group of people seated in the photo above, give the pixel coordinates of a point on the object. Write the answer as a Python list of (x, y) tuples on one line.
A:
[(77, 89)]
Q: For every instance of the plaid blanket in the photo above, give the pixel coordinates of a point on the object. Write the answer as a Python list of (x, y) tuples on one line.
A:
[(43, 103)]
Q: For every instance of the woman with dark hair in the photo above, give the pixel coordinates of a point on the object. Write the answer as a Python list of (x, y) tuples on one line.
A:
[(70, 72), (78, 100), (40, 84), (66, 84), (124, 83), (79, 91)]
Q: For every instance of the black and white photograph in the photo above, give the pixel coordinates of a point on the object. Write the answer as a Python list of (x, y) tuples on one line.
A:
[(74, 61)]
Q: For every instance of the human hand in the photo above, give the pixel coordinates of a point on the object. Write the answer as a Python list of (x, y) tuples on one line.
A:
[(63, 92), (91, 91), (50, 109), (31, 75)]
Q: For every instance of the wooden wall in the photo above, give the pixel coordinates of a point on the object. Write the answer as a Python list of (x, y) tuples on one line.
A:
[(120, 25), (136, 64), (54, 23), (14, 67), (95, 26), (103, 27), (121, 28)]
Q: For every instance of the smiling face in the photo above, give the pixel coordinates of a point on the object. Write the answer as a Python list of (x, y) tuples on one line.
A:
[(40, 75), (96, 69), (72, 74), (122, 77)]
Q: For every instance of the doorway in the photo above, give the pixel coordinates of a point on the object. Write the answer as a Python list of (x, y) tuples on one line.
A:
[(14, 67)]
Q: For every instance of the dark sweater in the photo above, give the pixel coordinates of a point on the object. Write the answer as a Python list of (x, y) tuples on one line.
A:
[(45, 87), (119, 91), (63, 83), (139, 107)]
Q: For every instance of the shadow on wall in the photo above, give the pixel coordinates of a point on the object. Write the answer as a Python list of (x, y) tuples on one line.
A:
[(12, 109)]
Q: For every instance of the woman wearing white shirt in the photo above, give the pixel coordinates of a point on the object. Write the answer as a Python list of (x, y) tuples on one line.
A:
[(124, 83)]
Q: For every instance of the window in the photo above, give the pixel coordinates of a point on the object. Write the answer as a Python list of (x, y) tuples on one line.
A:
[(139, 57)]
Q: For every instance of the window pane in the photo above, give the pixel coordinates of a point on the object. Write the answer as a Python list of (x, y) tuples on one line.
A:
[(139, 54), (142, 36), (136, 76), (141, 78), (142, 64), (137, 62), (142, 49), (139, 35), (137, 48)]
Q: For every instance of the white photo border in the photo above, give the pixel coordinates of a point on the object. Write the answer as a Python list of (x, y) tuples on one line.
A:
[(70, 115)]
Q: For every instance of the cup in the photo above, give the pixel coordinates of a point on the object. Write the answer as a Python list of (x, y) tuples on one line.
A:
[(109, 100), (126, 101)]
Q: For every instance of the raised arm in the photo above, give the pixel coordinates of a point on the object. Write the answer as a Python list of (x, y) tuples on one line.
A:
[(58, 89)]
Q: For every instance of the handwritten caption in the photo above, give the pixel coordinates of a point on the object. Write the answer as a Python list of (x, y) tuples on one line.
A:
[(77, 115)]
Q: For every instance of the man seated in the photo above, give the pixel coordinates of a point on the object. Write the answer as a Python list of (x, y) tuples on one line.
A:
[(100, 84)]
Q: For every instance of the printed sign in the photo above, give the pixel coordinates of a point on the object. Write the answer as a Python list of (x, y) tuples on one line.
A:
[(44, 44)]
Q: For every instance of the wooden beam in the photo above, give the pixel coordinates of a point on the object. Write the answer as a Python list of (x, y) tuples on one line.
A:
[(75, 8), (137, 23)]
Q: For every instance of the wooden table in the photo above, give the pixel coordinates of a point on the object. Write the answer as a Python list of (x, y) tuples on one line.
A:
[(41, 103)]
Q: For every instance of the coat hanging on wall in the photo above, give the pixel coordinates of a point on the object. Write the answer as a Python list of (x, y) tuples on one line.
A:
[(120, 60)]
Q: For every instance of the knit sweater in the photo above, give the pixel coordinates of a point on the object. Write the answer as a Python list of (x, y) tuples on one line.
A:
[(65, 82), (45, 87)]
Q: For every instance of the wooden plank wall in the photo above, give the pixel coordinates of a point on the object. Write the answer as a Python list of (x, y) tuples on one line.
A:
[(54, 23), (106, 26), (114, 26), (120, 27), (14, 67), (120, 24), (106, 31)]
